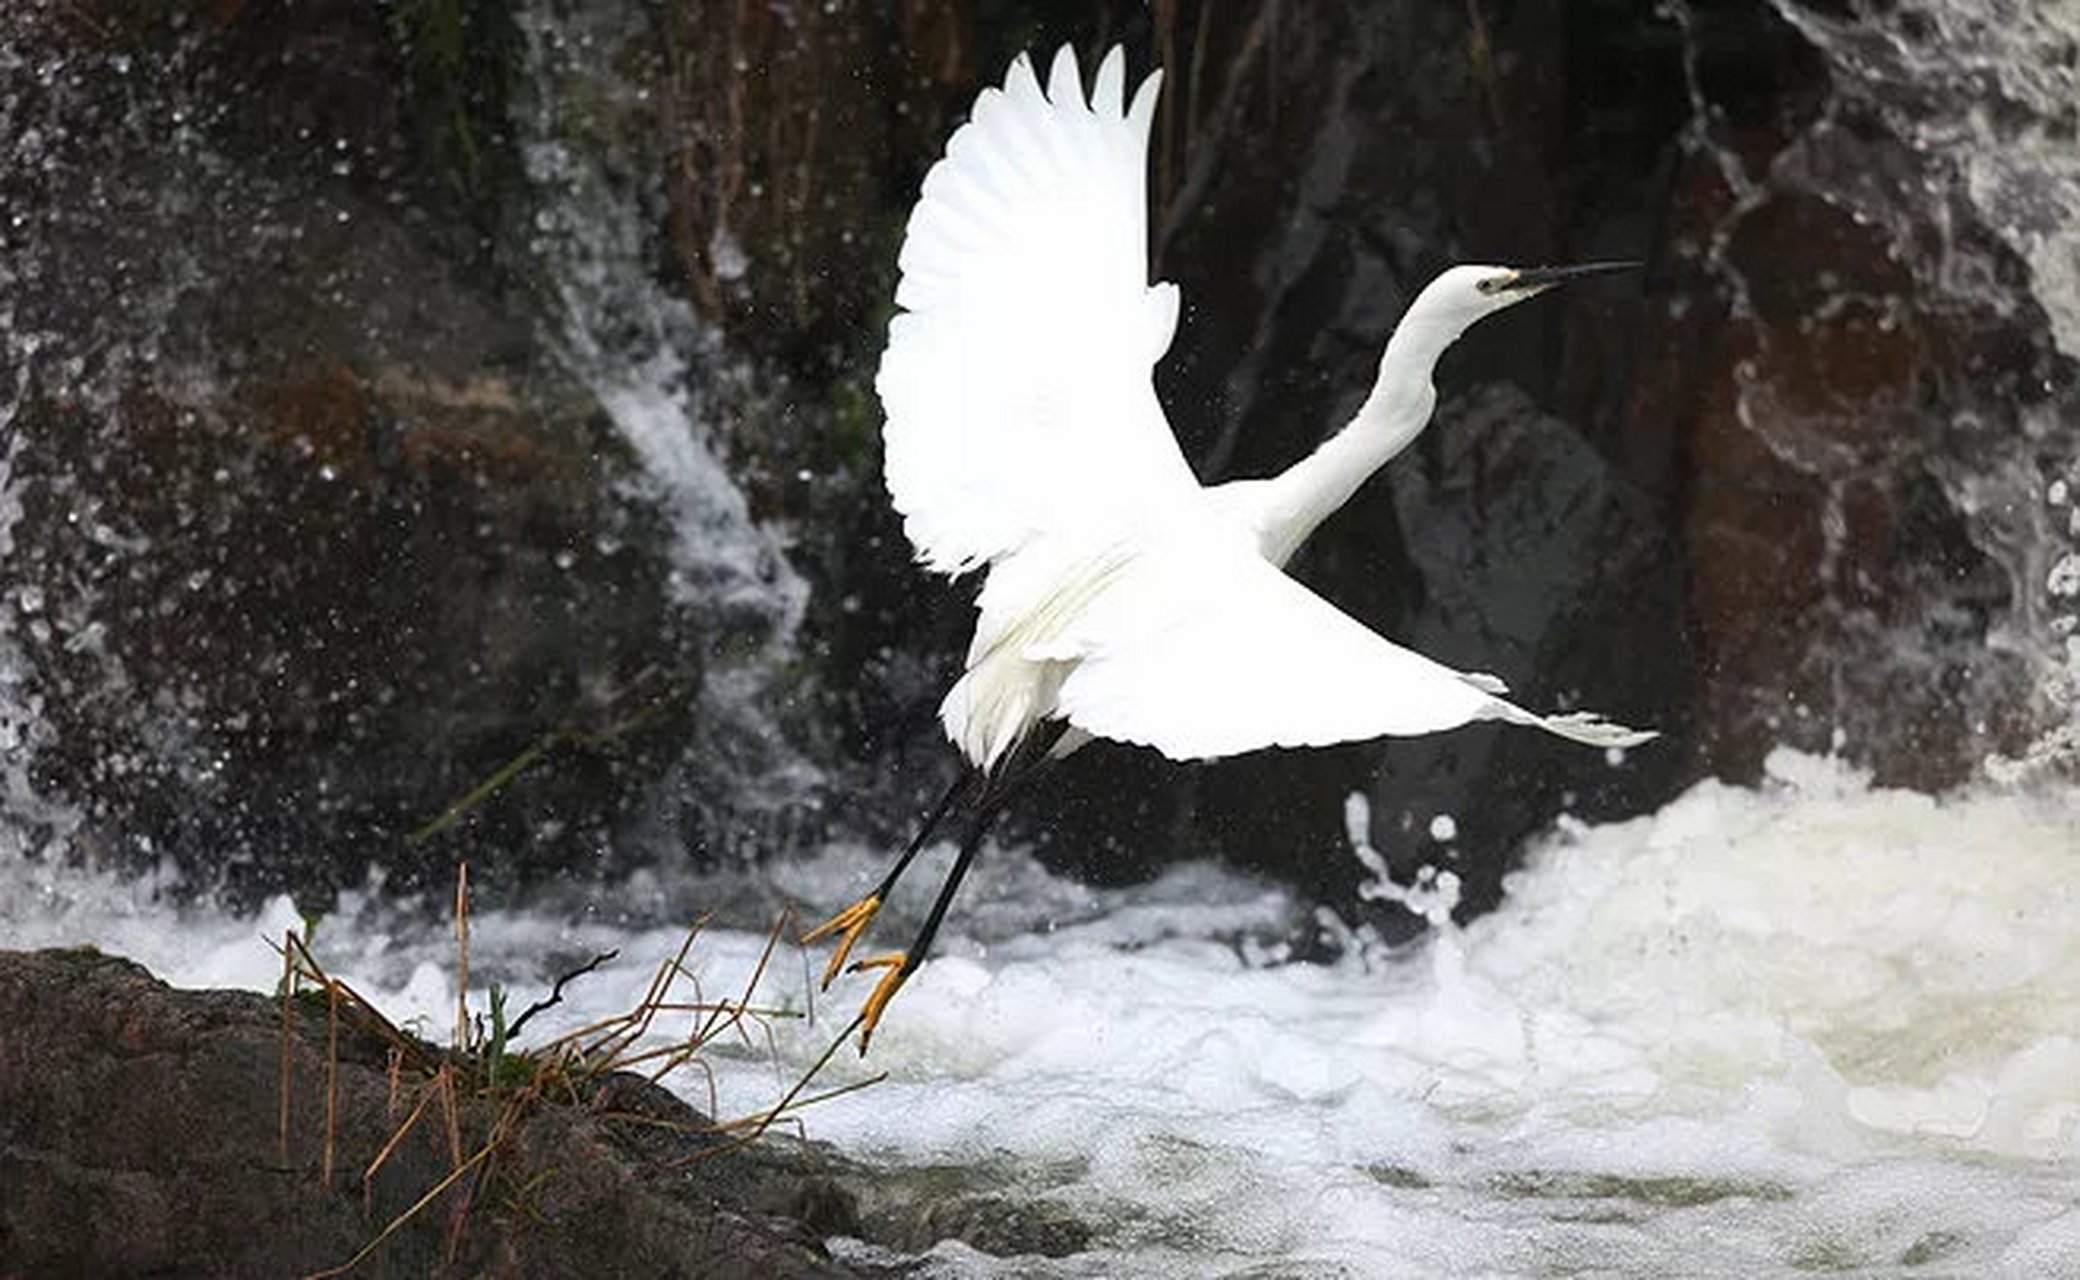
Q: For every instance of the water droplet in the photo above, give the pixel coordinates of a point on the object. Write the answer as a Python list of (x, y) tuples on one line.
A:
[(2064, 578)]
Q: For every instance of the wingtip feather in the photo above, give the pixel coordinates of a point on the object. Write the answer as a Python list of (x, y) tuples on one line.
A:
[(1143, 109), (1028, 238), (1065, 79), (1108, 94), (1020, 80)]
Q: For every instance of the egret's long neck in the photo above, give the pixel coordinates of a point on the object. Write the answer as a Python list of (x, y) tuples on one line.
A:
[(1304, 494)]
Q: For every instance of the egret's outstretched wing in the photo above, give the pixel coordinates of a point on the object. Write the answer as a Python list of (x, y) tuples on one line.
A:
[(1016, 381), (1202, 652)]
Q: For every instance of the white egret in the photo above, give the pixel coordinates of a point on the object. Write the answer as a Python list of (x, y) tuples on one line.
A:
[(1123, 599)]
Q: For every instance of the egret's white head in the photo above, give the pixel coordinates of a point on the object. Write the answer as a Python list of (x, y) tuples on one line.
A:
[(1461, 295)]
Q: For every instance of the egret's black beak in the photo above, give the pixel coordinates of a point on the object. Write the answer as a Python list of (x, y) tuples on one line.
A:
[(1547, 277)]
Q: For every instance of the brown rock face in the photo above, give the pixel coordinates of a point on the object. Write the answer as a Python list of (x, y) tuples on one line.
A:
[(1827, 321)]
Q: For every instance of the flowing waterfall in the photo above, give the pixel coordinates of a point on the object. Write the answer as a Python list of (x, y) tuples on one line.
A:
[(85, 304), (588, 138)]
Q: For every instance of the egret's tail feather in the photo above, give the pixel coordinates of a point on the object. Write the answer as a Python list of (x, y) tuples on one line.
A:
[(1593, 730)]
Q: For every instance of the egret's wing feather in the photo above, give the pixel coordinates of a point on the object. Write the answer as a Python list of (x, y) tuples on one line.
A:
[(1203, 653), (1016, 381)]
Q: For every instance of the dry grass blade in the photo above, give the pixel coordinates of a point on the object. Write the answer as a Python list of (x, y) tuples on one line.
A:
[(288, 1083), (331, 1081), (375, 1166), (370, 1018), (653, 1001), (462, 957), (391, 1227), (444, 1085), (762, 1120), (735, 1017), (756, 1125)]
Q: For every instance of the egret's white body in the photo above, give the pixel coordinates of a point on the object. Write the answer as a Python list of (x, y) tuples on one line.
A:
[(1024, 436)]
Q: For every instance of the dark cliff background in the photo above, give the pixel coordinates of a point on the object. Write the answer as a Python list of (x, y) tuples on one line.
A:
[(366, 366)]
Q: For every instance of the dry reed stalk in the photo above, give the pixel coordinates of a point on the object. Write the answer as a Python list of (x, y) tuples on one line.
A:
[(368, 1175), (461, 957), (586, 1054), (331, 1081), (288, 1083)]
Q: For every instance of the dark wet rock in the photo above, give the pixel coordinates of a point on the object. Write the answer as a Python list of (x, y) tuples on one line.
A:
[(1543, 566), (1832, 323), (319, 537), (1002, 1211), (140, 1135), (312, 629)]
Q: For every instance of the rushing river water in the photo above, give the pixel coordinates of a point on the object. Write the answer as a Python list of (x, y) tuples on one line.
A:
[(1812, 1027)]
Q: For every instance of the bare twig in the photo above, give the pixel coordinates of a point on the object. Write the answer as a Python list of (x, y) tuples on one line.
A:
[(555, 996)]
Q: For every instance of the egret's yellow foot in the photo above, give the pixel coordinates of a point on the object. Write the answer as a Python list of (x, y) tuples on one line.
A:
[(898, 965), (850, 923)]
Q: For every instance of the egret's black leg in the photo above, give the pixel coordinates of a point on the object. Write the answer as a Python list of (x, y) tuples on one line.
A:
[(971, 780), (853, 920), (996, 792), (978, 826), (901, 964)]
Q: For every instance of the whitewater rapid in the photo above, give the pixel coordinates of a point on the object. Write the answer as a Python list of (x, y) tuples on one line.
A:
[(1811, 1026)]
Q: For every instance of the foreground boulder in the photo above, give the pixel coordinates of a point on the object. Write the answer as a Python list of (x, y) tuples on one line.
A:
[(141, 1134)]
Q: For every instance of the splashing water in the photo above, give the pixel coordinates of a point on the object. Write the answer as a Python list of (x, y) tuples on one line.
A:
[(658, 372), (1810, 1026), (660, 375), (1946, 130), (1814, 1025), (2010, 156)]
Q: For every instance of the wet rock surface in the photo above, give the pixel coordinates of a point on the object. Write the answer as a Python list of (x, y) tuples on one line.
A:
[(142, 1136), (1858, 402)]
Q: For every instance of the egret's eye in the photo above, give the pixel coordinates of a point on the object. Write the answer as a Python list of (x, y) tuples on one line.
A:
[(1489, 284)]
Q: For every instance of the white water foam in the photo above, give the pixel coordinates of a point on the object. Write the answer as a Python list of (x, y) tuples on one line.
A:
[(1814, 1026)]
